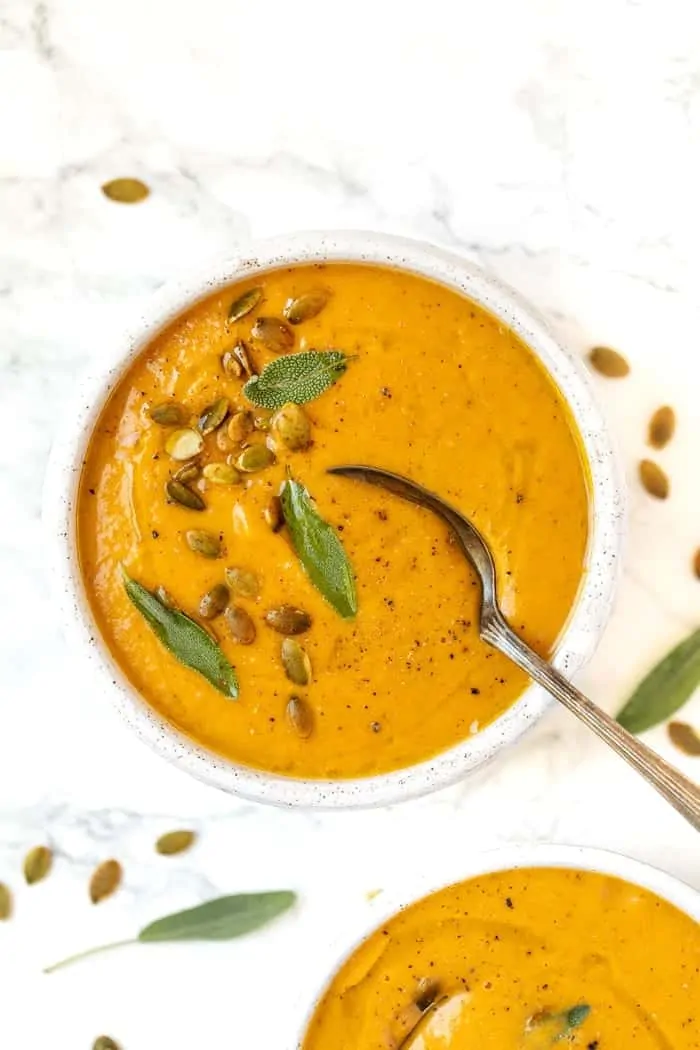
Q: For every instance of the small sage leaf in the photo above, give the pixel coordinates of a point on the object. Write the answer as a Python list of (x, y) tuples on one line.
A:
[(184, 638), (106, 878), (104, 1042), (37, 864), (174, 842), (126, 191), (297, 377), (665, 689), (684, 737), (319, 550), (5, 902), (221, 919)]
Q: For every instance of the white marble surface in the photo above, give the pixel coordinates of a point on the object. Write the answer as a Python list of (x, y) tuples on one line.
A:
[(555, 142)]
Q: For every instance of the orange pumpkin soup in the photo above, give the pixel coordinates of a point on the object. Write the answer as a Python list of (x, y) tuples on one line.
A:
[(521, 960), (353, 627)]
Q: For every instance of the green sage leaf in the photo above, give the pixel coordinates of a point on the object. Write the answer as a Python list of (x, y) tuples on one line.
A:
[(221, 919), (319, 550), (184, 638), (665, 689), (296, 377)]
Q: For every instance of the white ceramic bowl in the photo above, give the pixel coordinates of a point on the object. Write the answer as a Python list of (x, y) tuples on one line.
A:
[(585, 624), (417, 886)]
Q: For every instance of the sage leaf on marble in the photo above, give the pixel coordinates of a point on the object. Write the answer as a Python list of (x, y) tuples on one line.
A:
[(106, 878), (665, 689), (37, 864), (296, 377), (184, 638), (5, 902), (173, 842)]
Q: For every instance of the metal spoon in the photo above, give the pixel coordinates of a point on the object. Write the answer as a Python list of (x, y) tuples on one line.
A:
[(675, 788)]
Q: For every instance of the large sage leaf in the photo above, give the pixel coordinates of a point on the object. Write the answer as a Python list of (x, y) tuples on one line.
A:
[(184, 638), (319, 550), (221, 919), (296, 377), (665, 688)]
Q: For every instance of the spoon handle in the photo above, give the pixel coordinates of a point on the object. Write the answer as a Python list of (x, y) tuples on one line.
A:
[(677, 789)]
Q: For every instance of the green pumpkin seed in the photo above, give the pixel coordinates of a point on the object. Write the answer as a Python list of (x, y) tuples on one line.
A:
[(213, 603), (231, 365), (37, 864), (306, 306), (126, 191), (224, 442), (221, 474), (186, 497), (243, 582), (654, 479), (288, 619), (187, 473), (240, 425), (204, 543), (105, 880), (244, 304), (5, 902), (662, 426), (295, 661), (169, 414), (685, 737), (213, 416), (290, 425), (255, 458), (300, 717), (173, 842), (608, 362), (274, 334), (184, 444), (240, 624)]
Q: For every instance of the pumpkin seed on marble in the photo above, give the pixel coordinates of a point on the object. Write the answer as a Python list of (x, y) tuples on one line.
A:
[(685, 737), (186, 497), (221, 474), (240, 425), (306, 306), (106, 878), (274, 334), (240, 624), (290, 425), (213, 603), (288, 619), (37, 864), (654, 479), (272, 514), (242, 582), (696, 563), (169, 414), (188, 472), (300, 717), (213, 416), (126, 191), (184, 444), (204, 543), (105, 1042), (243, 305), (255, 458), (5, 902), (608, 362), (662, 427), (296, 662), (173, 842)]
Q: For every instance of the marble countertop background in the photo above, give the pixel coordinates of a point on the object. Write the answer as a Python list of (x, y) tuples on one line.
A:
[(558, 144)]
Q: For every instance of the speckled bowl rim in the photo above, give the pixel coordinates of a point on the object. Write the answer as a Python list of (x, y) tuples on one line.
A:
[(586, 622), (417, 885)]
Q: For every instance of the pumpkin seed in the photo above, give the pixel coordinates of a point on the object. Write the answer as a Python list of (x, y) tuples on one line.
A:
[(243, 582), (214, 601), (204, 543), (169, 414), (105, 880), (287, 619), (272, 514), (213, 416), (104, 1042), (290, 424), (240, 624), (696, 563), (306, 306), (240, 425), (255, 458), (186, 497), (188, 472), (295, 661), (662, 426), (5, 902), (224, 442), (221, 474), (241, 355), (300, 717), (274, 334), (231, 365), (244, 304), (184, 444), (608, 362), (126, 191), (37, 864), (164, 597), (684, 737), (173, 842), (654, 479)]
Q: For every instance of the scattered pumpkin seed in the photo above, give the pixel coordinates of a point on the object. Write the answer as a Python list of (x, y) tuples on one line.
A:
[(221, 474), (204, 543), (295, 661), (214, 602), (5, 902), (173, 842), (288, 619), (37, 864), (255, 458), (662, 427), (104, 1042), (126, 191), (696, 563), (300, 717), (608, 362), (188, 472), (243, 583), (224, 442), (169, 414), (184, 444), (274, 334), (240, 425), (106, 878), (272, 514), (244, 304), (231, 365), (306, 306), (290, 424), (240, 624), (186, 497), (685, 737), (241, 355), (654, 479), (164, 597), (213, 416)]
